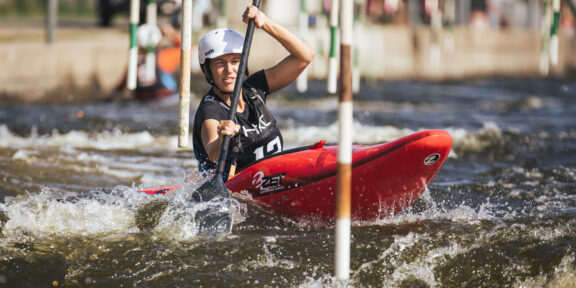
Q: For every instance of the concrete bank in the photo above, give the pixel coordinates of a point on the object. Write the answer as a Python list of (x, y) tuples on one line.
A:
[(80, 64), (87, 64)]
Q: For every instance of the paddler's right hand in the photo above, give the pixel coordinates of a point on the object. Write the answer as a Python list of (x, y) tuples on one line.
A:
[(228, 127)]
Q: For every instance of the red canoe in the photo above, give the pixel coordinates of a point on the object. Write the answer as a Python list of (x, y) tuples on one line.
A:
[(386, 178)]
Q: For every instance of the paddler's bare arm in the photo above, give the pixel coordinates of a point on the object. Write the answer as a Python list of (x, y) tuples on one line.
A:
[(211, 133), (287, 70)]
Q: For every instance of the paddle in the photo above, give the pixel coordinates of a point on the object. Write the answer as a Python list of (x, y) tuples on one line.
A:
[(220, 221)]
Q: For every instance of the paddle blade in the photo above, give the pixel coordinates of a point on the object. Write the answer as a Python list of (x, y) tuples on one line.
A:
[(214, 222), (215, 219), (211, 189)]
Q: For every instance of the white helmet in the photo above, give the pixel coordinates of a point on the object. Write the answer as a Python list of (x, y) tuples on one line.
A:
[(148, 35), (219, 42), (216, 43)]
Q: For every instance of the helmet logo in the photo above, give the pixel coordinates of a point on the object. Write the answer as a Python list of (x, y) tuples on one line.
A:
[(208, 52)]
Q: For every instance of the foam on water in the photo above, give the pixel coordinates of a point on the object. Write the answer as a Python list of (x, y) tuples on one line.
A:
[(421, 268), (564, 276), (49, 214), (105, 140), (442, 211), (102, 213), (117, 140)]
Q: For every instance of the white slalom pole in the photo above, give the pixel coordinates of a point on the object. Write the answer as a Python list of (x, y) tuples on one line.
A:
[(151, 49), (344, 181), (184, 115), (302, 80), (51, 20), (222, 15), (544, 66), (333, 62), (133, 53), (436, 31), (554, 42)]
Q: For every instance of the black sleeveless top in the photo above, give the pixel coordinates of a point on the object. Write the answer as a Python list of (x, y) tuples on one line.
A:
[(258, 137)]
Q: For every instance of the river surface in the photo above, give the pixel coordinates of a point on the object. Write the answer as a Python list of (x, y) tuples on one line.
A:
[(501, 213)]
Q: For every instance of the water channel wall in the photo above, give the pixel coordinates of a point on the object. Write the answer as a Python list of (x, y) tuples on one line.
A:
[(91, 65)]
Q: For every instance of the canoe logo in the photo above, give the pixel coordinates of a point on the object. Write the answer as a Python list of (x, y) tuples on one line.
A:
[(267, 184), (431, 159)]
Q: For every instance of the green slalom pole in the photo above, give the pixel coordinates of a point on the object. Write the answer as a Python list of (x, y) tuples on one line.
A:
[(333, 61), (554, 41)]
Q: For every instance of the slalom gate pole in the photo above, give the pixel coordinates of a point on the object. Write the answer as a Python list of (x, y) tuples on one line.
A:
[(151, 49), (436, 31), (302, 80), (51, 20), (333, 61), (449, 19), (197, 15), (222, 18), (554, 41), (133, 53), (545, 23), (184, 108), (344, 181), (356, 76)]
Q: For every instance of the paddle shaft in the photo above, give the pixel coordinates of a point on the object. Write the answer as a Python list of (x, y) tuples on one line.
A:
[(220, 168)]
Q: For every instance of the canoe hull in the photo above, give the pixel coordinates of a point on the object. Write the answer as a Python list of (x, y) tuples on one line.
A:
[(386, 178)]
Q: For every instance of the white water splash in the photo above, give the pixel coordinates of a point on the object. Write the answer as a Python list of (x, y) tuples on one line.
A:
[(100, 214), (463, 213), (47, 214)]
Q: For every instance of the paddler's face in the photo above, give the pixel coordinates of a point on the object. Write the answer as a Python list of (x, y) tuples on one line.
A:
[(224, 71)]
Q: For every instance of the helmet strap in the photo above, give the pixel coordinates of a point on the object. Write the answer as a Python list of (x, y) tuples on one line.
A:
[(207, 74)]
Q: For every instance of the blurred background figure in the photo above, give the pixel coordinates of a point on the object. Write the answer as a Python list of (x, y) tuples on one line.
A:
[(108, 9), (162, 84)]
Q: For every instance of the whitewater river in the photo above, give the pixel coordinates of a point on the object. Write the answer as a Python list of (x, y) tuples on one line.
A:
[(501, 213)]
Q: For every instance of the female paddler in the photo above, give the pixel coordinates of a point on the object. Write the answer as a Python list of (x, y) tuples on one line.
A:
[(253, 133)]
